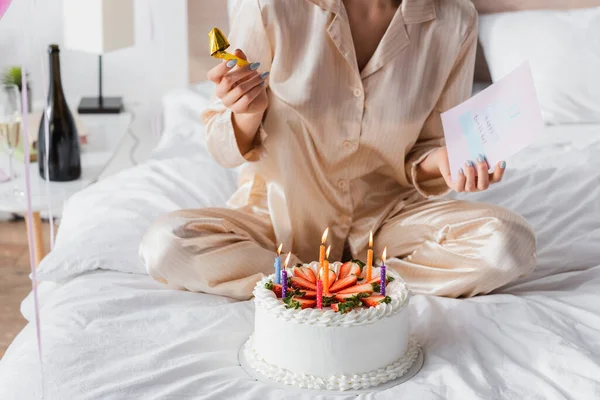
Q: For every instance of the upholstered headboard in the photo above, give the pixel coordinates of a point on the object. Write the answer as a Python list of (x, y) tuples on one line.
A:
[(206, 14)]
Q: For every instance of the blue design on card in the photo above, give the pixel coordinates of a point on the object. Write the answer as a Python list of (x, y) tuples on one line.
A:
[(484, 127), (470, 131)]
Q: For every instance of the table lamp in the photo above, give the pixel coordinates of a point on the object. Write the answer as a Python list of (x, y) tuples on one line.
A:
[(99, 27)]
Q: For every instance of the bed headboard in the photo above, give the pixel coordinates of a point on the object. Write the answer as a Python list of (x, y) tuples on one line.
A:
[(203, 15)]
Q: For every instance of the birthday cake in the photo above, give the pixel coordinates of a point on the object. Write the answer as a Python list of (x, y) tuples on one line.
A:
[(352, 333)]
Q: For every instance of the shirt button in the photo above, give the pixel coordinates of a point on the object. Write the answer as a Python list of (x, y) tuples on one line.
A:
[(348, 145), (357, 92), (342, 184)]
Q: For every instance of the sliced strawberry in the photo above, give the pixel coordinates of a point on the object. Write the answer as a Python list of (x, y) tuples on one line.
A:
[(306, 303), (343, 283), (364, 288), (377, 279), (350, 268), (305, 273), (303, 283), (375, 300), (344, 297), (332, 278), (355, 270), (309, 294), (345, 270), (276, 289), (345, 307)]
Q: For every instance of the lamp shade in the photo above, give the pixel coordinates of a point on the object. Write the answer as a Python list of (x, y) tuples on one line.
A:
[(98, 26)]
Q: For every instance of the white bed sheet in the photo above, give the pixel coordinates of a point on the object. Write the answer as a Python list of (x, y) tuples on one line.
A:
[(114, 333)]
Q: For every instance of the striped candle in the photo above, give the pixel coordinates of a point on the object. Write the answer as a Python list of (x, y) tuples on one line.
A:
[(382, 271), (320, 294), (283, 284), (277, 265)]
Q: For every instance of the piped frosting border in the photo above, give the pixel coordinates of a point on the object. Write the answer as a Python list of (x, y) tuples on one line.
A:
[(337, 382)]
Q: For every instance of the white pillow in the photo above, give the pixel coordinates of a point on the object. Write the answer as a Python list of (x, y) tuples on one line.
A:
[(563, 48)]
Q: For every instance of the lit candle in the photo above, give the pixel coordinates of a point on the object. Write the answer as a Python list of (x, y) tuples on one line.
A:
[(326, 270), (284, 277), (320, 294), (370, 257), (322, 248), (382, 270), (278, 265)]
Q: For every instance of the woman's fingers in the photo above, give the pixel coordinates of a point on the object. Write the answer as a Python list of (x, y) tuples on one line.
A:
[(245, 101), (474, 177), (483, 178), (498, 172), (459, 186), (235, 78), (242, 89), (217, 73), (471, 179)]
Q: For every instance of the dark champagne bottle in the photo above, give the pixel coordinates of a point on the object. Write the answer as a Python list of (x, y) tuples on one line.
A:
[(64, 159)]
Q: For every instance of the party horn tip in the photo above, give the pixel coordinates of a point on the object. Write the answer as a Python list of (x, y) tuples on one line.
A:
[(218, 41)]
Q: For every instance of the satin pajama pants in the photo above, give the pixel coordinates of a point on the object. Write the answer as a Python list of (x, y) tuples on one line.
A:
[(440, 247)]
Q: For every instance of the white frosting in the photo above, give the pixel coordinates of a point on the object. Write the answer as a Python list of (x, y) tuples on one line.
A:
[(332, 350), (333, 382), (323, 351)]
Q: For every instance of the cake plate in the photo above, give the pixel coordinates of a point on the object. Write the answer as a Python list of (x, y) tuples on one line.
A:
[(411, 372)]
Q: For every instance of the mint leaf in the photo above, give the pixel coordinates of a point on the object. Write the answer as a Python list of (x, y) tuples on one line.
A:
[(376, 287), (289, 283), (291, 293), (346, 306), (291, 303), (327, 301), (390, 279), (269, 285), (298, 293), (360, 264), (386, 300)]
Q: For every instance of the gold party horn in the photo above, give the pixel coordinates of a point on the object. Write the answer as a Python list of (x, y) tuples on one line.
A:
[(218, 45)]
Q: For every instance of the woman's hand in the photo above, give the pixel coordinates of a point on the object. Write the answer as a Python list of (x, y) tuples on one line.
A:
[(242, 90), (472, 177)]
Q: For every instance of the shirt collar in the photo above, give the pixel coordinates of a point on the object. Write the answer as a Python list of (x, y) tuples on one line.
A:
[(413, 11)]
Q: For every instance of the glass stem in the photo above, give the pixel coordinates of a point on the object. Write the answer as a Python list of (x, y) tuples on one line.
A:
[(11, 172)]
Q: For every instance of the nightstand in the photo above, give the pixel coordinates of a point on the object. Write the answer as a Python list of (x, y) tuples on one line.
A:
[(104, 135)]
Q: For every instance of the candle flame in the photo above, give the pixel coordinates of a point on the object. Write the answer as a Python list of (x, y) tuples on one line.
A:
[(384, 254), (287, 260), (324, 237), (279, 249), (371, 240), (327, 252)]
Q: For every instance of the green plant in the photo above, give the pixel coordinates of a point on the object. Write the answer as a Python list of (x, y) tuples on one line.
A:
[(13, 76)]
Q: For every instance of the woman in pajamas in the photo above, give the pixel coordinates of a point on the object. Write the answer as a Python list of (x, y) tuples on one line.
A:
[(336, 121)]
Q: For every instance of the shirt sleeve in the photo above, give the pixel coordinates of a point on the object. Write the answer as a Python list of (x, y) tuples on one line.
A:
[(458, 88), (248, 33)]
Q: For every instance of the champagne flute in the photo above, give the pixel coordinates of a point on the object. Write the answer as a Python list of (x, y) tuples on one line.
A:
[(10, 124)]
